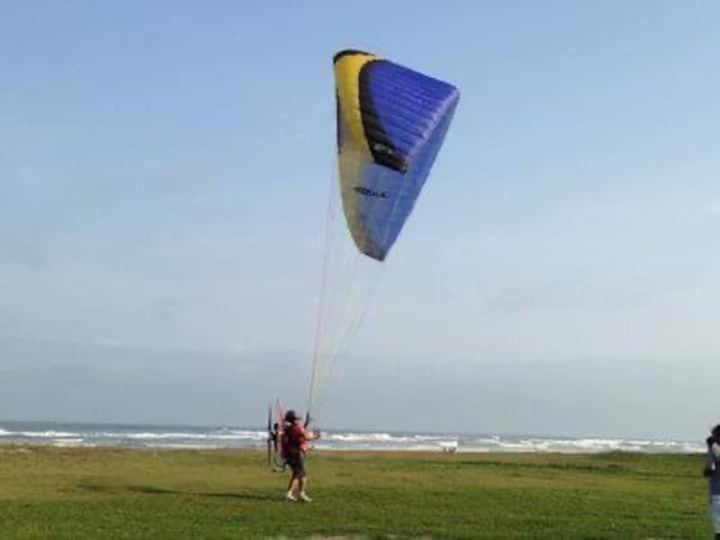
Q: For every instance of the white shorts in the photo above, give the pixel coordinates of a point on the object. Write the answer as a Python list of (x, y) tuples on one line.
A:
[(715, 513)]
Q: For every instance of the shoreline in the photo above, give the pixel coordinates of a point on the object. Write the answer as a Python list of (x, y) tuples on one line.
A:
[(11, 448), (224, 437)]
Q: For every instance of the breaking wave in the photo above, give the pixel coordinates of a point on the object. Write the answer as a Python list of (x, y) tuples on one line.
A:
[(172, 437)]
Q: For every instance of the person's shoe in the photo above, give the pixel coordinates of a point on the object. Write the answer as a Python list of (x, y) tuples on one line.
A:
[(290, 497), (304, 497)]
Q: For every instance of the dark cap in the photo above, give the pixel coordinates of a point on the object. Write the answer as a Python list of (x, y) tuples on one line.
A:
[(290, 416)]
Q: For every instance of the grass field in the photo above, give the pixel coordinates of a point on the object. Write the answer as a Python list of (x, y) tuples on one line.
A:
[(117, 493)]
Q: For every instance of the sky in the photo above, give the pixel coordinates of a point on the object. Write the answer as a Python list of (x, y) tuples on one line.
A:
[(164, 178)]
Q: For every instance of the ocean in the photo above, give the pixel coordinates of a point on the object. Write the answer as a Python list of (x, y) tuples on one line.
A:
[(228, 437)]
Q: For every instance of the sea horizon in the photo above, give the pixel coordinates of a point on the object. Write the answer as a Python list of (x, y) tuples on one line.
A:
[(219, 436)]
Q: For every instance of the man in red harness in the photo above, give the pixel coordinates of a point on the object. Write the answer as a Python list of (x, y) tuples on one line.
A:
[(295, 446)]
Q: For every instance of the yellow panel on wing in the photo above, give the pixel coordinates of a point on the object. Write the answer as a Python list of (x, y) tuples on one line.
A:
[(347, 85), (354, 152)]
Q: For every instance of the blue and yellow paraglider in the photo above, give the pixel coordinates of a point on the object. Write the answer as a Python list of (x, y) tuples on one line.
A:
[(391, 124)]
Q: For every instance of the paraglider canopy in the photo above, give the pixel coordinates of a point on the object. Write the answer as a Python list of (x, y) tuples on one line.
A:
[(391, 123)]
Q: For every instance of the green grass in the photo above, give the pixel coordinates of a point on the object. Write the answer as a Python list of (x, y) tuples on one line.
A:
[(116, 493)]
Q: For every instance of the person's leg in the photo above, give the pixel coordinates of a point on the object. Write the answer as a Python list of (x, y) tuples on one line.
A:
[(715, 515), (303, 482), (293, 485)]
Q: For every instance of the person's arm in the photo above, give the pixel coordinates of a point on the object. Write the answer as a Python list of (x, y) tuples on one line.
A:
[(711, 464), (709, 467), (308, 434)]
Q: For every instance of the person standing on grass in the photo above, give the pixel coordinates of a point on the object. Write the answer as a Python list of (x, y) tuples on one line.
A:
[(712, 472), (295, 446)]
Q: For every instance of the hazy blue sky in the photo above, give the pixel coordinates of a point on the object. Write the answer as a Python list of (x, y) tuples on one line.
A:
[(164, 170)]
